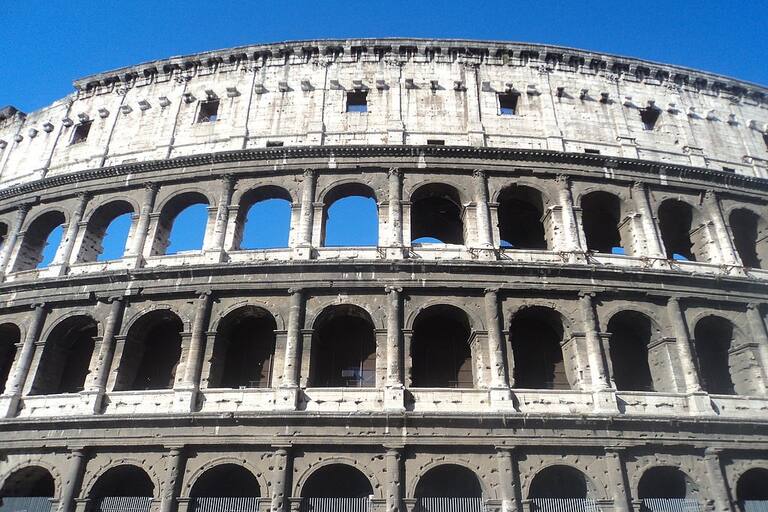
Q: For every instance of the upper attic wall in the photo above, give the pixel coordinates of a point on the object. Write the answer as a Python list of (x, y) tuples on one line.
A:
[(417, 92)]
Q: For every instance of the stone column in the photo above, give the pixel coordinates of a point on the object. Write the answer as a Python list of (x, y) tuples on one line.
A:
[(394, 399), (100, 371), (680, 328), (72, 483), (216, 248), (18, 378), (482, 213), (393, 489), (757, 329), (61, 262), (509, 492), (170, 485), (594, 347), (728, 254), (395, 199), (142, 226), (499, 380), (280, 479), (653, 242), (304, 240), (186, 393), (717, 485), (569, 226), (288, 393), (12, 237), (617, 479)]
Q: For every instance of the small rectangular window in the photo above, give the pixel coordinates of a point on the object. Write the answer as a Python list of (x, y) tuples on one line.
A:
[(729, 169), (209, 111), (592, 151), (508, 103), (81, 132), (649, 116), (435, 142), (765, 139), (357, 101), (274, 143)]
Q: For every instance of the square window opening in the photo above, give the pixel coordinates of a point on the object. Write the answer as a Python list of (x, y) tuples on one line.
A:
[(274, 143), (81, 132), (592, 151), (435, 142), (729, 169), (209, 112), (508, 103), (357, 101), (765, 139), (649, 116)]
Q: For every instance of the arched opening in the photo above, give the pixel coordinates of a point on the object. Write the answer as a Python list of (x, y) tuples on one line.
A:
[(3, 234), (751, 491), (28, 489), (521, 210), (558, 488), (264, 219), (226, 487), (437, 215), (665, 488), (343, 348), (66, 356), (106, 234), (676, 220), (336, 488), (151, 353), (601, 216), (713, 336), (182, 224), (10, 336), (628, 346), (439, 487), (351, 216), (121, 488), (536, 338), (244, 350), (441, 356), (41, 241), (749, 237)]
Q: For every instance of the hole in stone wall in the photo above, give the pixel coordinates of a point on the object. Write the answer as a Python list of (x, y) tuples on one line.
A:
[(441, 356), (649, 116), (508, 103), (10, 335), (41, 241), (662, 482), (3, 234), (592, 151), (536, 335), (351, 217), (343, 349), (750, 237), (151, 353), (81, 132), (182, 224), (448, 481), (66, 357), (435, 142), (520, 212), (275, 143), (436, 215), (31, 481), (675, 223), (106, 233), (264, 219), (751, 487), (357, 101), (226, 480), (713, 336), (337, 481), (123, 480), (630, 335), (765, 140), (601, 213), (209, 111), (558, 482), (244, 350)]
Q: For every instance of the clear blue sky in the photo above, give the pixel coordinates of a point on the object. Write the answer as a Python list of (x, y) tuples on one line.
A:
[(45, 45)]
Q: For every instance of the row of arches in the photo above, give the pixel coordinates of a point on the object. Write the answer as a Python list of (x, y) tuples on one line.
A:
[(351, 218), (441, 351), (339, 480)]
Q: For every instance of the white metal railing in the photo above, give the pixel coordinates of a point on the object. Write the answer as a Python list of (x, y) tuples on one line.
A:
[(224, 504), (122, 504), (25, 504), (335, 505), (449, 505), (563, 505), (753, 505), (669, 505)]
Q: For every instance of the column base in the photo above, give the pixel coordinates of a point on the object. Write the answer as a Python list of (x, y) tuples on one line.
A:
[(92, 401), (501, 399), (394, 399), (700, 403), (9, 405), (396, 253), (286, 399), (185, 400), (604, 401), (555, 144), (302, 253), (484, 253), (215, 256)]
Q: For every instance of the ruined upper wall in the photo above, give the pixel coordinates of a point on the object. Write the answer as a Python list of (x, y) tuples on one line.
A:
[(418, 91)]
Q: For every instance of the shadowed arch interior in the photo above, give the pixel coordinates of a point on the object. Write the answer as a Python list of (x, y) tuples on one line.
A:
[(662, 482), (337, 481), (628, 346), (343, 348), (30, 481), (521, 210), (713, 336), (675, 224), (10, 335), (601, 214), (350, 216), (151, 353), (244, 349), (441, 356), (106, 233), (449, 481), (41, 238), (437, 215), (751, 485), (263, 219), (749, 237), (3, 233), (66, 356), (536, 336), (123, 480), (558, 482), (226, 480), (191, 230)]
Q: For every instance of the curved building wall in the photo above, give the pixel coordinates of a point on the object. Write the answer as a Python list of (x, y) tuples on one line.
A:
[(590, 332)]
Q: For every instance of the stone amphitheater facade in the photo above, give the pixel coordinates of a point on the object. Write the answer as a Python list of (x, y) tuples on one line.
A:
[(589, 335)]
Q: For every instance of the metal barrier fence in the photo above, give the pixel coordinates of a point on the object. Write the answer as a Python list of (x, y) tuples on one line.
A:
[(25, 504), (231, 504), (753, 505), (122, 504), (449, 505), (335, 505), (669, 505), (563, 505)]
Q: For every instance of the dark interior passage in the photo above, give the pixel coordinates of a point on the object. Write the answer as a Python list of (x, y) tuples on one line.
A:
[(244, 350), (675, 223), (713, 336), (66, 357), (662, 482), (31, 481), (630, 335), (751, 486), (226, 480), (337, 481), (344, 349), (748, 238), (558, 482), (9, 337), (123, 480), (601, 213), (441, 355), (436, 213), (520, 218), (536, 335), (449, 481)]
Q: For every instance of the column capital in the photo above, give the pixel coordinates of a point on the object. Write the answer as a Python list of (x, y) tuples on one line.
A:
[(751, 306), (492, 290), (24, 207), (390, 289), (151, 186), (204, 293), (638, 185), (479, 173), (587, 295), (84, 195), (309, 173), (673, 300), (563, 180), (228, 178), (175, 449), (294, 291), (109, 299), (712, 452), (615, 450), (394, 171)]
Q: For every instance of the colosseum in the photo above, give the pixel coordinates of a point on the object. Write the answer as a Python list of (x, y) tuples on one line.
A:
[(563, 306)]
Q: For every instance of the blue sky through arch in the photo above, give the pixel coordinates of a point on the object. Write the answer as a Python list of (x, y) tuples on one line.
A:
[(188, 231)]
